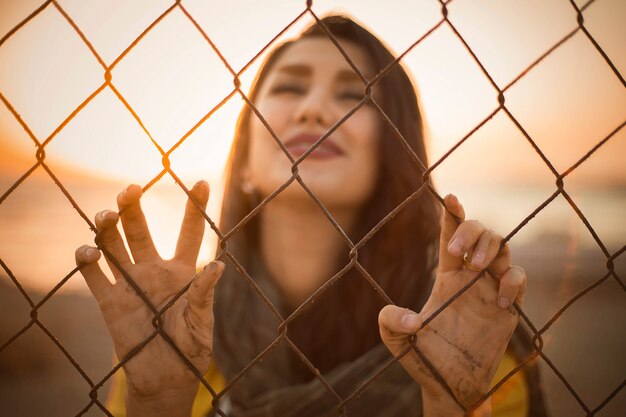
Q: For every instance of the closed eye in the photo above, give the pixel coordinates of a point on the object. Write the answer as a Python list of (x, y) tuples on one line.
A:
[(351, 95), (287, 88)]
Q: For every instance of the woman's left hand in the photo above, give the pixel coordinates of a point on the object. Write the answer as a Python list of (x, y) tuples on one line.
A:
[(465, 342)]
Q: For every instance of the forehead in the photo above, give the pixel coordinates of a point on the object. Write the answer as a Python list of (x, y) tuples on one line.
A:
[(320, 53)]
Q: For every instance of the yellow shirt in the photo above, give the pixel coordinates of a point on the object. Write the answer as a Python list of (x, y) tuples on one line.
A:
[(510, 400)]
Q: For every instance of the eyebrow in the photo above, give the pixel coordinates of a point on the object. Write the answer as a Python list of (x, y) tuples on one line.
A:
[(348, 75), (305, 70), (296, 69)]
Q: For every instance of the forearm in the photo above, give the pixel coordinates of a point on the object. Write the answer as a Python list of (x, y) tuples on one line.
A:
[(176, 403), (436, 407), (432, 408)]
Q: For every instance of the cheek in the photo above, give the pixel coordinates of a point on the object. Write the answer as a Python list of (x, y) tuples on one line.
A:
[(364, 131), (365, 127), (258, 151), (263, 147), (276, 115), (262, 143)]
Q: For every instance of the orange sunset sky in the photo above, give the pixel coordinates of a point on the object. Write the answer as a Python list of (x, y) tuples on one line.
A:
[(172, 79)]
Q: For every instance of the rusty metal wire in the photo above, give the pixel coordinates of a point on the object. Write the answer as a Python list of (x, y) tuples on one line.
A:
[(283, 322)]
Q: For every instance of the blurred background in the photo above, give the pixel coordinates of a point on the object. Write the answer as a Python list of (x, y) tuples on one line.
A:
[(173, 79)]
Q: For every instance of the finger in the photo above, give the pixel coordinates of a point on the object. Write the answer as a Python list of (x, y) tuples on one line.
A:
[(192, 228), (110, 240), (464, 240), (501, 263), (450, 224), (486, 249), (200, 294), (395, 324), (512, 287), (87, 262), (466, 237), (135, 225)]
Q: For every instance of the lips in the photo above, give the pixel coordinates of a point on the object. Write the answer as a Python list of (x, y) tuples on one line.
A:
[(299, 144)]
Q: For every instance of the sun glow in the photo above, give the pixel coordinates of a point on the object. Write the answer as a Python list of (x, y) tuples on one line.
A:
[(171, 94), (172, 79)]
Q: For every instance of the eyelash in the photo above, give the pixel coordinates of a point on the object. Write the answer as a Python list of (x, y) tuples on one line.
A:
[(289, 88), (352, 96)]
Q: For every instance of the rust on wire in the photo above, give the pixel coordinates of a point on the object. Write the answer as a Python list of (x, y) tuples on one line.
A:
[(224, 236)]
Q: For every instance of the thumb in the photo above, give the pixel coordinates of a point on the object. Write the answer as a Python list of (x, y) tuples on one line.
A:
[(200, 293), (396, 323), (453, 216)]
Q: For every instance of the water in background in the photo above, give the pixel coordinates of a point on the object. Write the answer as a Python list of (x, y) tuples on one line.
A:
[(39, 228), (39, 231)]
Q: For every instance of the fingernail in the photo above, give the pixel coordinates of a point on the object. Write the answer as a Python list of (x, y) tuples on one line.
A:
[(90, 252), (213, 266), (451, 199), (410, 321), (478, 258), (210, 267), (455, 246), (106, 214), (504, 302), (127, 189)]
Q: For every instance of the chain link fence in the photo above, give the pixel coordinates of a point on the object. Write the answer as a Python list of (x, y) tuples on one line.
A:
[(96, 386)]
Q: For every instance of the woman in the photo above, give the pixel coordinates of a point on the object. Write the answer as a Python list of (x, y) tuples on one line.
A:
[(290, 248)]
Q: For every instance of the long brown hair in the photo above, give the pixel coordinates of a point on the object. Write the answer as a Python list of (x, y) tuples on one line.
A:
[(401, 256)]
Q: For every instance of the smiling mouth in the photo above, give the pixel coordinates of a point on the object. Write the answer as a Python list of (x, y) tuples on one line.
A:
[(300, 144), (321, 152)]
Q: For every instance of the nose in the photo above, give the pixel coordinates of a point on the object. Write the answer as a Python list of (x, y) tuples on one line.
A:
[(314, 110)]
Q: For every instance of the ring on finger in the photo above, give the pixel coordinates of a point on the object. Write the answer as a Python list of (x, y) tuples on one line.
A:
[(467, 261)]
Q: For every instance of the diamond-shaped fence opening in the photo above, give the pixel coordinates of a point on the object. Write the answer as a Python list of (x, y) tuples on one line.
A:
[(528, 33), (59, 88), (128, 72), (184, 90), (96, 20), (118, 140)]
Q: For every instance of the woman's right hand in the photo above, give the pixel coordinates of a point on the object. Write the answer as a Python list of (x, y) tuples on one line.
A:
[(466, 341), (156, 371)]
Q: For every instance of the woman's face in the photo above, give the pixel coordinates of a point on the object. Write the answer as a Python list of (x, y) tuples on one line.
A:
[(309, 88)]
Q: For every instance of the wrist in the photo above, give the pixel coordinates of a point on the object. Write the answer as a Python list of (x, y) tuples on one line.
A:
[(440, 407), (171, 402)]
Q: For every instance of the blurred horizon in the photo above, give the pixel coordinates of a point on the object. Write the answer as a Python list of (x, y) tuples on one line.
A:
[(567, 104), (38, 221), (172, 79)]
